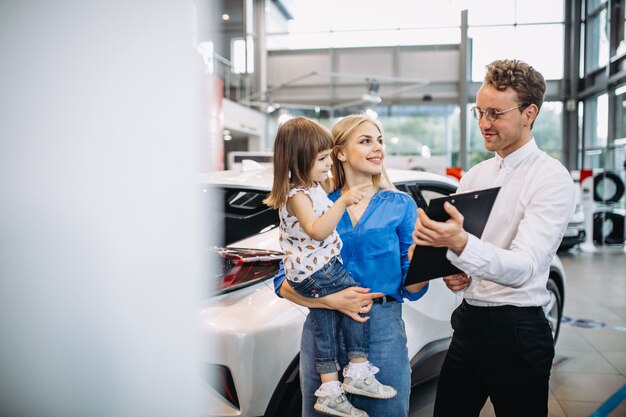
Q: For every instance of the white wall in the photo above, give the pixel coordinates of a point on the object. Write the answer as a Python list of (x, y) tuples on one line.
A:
[(99, 268)]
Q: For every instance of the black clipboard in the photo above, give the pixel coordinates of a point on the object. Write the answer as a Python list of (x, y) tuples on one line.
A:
[(429, 262)]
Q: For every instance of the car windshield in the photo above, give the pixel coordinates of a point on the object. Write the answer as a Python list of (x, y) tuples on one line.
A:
[(242, 215)]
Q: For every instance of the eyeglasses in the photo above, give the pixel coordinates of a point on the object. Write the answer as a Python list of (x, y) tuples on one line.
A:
[(491, 114)]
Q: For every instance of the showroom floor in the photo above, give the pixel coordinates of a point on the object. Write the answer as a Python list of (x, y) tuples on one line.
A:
[(590, 362)]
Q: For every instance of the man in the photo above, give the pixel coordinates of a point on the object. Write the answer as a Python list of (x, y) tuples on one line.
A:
[(502, 345)]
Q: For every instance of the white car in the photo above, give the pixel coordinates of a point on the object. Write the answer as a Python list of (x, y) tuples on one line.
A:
[(253, 370)]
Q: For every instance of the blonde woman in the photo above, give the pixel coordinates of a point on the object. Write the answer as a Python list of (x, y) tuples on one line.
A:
[(376, 234), (312, 264)]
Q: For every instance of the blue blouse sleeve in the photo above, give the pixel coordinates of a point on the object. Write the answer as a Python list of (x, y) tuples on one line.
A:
[(412, 296), (405, 233), (405, 237)]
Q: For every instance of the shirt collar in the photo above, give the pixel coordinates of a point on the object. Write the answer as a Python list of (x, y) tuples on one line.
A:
[(514, 159)]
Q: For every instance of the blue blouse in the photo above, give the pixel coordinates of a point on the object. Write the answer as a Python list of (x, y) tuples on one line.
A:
[(375, 250)]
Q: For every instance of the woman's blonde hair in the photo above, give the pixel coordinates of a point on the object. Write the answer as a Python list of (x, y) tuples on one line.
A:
[(342, 131), (298, 142)]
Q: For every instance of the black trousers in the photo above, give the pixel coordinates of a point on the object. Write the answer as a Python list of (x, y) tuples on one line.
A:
[(504, 353)]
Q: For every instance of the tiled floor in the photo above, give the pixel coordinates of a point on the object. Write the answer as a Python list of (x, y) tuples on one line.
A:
[(590, 363)]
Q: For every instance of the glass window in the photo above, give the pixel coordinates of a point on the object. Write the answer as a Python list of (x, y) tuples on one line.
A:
[(420, 137), (490, 12), (424, 130), (595, 131), (602, 121), (243, 59), (358, 38), (350, 24), (581, 63), (551, 11), (596, 42), (547, 132), (548, 128), (490, 43), (620, 112), (621, 40), (581, 118), (595, 4), (333, 15)]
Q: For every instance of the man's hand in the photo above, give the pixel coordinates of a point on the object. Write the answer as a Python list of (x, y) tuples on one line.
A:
[(448, 234), (457, 282)]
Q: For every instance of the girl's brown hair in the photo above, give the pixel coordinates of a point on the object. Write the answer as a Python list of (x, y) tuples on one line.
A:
[(342, 131), (298, 142)]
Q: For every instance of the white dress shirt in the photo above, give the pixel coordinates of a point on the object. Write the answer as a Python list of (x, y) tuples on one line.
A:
[(510, 264)]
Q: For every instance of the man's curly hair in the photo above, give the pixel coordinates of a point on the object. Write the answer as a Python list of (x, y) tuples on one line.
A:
[(521, 77)]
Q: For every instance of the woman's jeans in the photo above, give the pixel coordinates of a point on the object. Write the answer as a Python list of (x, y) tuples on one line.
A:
[(328, 323), (387, 350)]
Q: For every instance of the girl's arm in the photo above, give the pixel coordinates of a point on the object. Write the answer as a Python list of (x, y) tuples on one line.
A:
[(319, 228), (350, 301)]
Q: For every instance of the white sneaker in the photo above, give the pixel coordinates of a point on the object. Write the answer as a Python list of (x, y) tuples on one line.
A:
[(337, 406), (368, 387)]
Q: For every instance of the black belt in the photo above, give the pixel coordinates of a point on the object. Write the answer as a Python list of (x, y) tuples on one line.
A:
[(503, 310), (384, 299)]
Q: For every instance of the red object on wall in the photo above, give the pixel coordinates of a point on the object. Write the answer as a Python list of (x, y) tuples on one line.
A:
[(584, 173), (456, 172)]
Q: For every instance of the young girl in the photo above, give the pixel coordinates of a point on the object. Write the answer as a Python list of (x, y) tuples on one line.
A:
[(302, 161)]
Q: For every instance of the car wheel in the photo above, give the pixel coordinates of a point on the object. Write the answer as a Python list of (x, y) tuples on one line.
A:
[(554, 309), (287, 399), (292, 403)]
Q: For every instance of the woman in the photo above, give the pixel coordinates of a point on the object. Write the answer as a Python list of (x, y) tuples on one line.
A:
[(376, 235)]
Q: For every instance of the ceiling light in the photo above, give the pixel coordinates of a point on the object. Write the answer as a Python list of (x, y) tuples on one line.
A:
[(370, 98), (225, 17), (371, 113), (372, 95), (283, 118)]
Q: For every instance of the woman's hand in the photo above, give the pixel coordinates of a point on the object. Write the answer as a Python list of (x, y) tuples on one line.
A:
[(350, 301)]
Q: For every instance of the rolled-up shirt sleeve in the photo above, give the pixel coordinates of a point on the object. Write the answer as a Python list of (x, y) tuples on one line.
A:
[(413, 296)]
